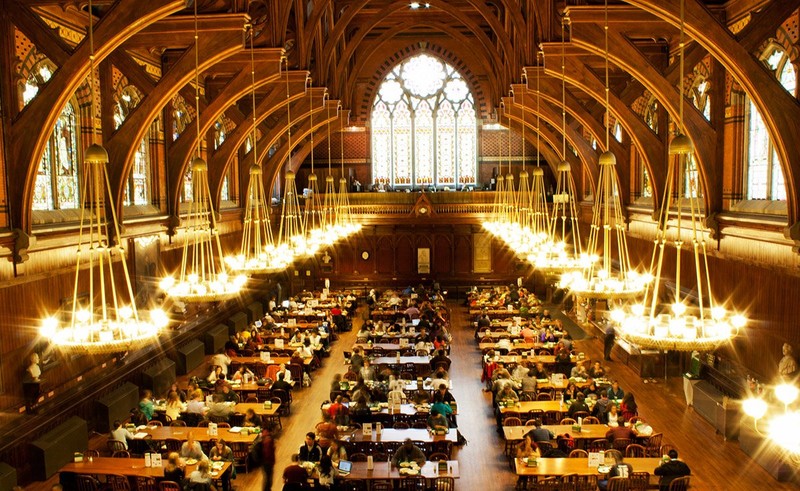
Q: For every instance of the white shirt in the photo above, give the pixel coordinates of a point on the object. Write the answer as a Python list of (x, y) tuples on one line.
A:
[(222, 360), (123, 435)]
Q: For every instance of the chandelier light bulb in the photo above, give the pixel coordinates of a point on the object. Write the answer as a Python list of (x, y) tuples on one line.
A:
[(678, 308), (786, 393), (755, 407)]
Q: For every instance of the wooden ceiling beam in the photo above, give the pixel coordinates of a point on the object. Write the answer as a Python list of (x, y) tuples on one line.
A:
[(178, 31), (29, 133), (779, 109), (123, 143)]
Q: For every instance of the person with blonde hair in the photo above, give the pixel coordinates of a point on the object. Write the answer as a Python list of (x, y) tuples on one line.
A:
[(202, 475), (173, 471)]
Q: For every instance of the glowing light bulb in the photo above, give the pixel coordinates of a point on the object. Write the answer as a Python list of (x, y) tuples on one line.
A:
[(786, 393), (754, 407)]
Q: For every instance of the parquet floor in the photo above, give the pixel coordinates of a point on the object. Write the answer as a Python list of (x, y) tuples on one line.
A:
[(715, 464)]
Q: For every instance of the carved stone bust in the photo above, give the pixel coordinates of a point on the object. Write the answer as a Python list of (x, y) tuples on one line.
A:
[(788, 364)]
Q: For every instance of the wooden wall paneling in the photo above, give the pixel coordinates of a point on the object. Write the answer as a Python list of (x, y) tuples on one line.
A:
[(385, 256), (405, 255), (462, 254), (442, 255)]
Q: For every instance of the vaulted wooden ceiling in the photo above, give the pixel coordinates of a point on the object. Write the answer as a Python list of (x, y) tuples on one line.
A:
[(346, 46)]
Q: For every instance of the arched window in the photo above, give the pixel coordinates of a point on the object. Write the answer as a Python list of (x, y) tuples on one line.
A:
[(618, 131), (424, 127), (125, 102), (187, 186), (219, 133), (181, 117), (57, 177), (764, 173), (647, 187), (38, 76), (651, 114), (701, 96), (138, 188)]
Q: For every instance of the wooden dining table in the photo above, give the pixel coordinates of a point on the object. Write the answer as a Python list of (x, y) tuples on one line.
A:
[(404, 360), (273, 360), (550, 467), (525, 406), (588, 432), (161, 433), (130, 467), (384, 470), (258, 408), (399, 436)]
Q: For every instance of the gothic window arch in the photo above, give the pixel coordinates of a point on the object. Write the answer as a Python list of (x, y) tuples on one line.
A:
[(651, 114), (424, 126), (39, 75), (124, 103), (139, 186), (181, 116), (56, 186), (701, 96), (764, 174)]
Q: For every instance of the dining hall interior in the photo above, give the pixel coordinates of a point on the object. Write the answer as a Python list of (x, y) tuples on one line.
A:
[(452, 244)]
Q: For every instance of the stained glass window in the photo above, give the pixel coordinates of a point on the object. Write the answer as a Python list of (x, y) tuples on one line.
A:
[(39, 75), (764, 174), (423, 126), (647, 187), (56, 185), (219, 133), (226, 195), (701, 97), (125, 102), (187, 185), (180, 117), (137, 190)]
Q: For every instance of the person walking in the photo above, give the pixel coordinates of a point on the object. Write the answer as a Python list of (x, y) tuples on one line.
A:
[(608, 341)]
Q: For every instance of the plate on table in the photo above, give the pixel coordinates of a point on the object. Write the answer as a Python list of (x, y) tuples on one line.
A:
[(603, 469), (191, 461)]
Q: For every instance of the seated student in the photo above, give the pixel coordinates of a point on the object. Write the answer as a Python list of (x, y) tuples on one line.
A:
[(173, 406), (173, 470), (579, 404), (337, 452), (507, 395), (310, 451), (146, 405), (223, 453), (527, 447), (438, 421), (615, 392), (281, 384), (228, 395), (671, 470), (191, 448), (294, 475), (408, 452), (219, 410), (620, 432), (251, 419), (243, 374), (421, 396), (396, 396), (619, 469), (440, 377), (597, 371), (539, 434), (121, 434), (287, 374), (540, 371), (196, 404), (579, 371), (327, 430)]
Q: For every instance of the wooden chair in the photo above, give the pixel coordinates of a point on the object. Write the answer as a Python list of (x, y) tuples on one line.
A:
[(86, 483), (618, 484), (358, 457), (178, 423), (621, 444), (639, 481), (223, 424), (544, 396), (251, 399), (567, 421), (578, 454), (665, 448), (240, 451), (263, 394), (636, 419), (169, 486), (437, 456), (286, 401), (551, 417), (580, 414), (444, 484), (530, 422), (115, 445), (203, 423), (173, 444), (599, 445), (547, 484), (155, 423), (121, 454), (575, 482), (653, 445), (276, 419), (634, 450), (401, 425), (380, 456), (544, 447), (237, 419), (679, 484), (512, 421), (115, 482), (413, 483), (146, 484), (91, 453), (591, 420)]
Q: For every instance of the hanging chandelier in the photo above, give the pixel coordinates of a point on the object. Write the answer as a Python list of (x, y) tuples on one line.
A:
[(292, 236), (314, 209), (782, 428), (105, 318), (345, 224), (597, 278), (557, 255), (505, 204), (258, 254), (203, 276), (679, 327)]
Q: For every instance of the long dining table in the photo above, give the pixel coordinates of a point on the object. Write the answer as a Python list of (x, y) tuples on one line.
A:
[(162, 433), (557, 467), (130, 468)]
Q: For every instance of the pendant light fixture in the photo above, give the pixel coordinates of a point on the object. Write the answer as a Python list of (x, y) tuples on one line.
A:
[(314, 207), (345, 224), (258, 254), (331, 202), (598, 279), (103, 317), (203, 276), (561, 250), (292, 235), (678, 326)]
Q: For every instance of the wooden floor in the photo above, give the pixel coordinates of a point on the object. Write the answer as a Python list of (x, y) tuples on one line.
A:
[(715, 464)]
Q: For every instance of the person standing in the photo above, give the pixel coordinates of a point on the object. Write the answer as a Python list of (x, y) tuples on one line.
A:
[(266, 451), (608, 341)]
